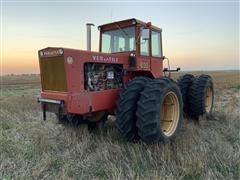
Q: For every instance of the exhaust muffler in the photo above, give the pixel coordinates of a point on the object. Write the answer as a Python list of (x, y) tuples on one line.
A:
[(88, 25)]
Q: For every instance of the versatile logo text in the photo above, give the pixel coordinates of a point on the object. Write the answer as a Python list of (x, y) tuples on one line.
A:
[(105, 59)]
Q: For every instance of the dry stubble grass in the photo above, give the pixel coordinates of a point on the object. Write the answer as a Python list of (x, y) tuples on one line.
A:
[(33, 149)]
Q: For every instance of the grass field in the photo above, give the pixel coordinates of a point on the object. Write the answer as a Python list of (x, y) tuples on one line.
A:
[(31, 148)]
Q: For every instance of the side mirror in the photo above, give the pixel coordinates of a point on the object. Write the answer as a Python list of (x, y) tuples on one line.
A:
[(145, 34)]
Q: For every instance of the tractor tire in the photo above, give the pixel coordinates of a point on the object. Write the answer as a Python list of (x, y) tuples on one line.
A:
[(127, 106), (184, 82), (159, 111), (201, 96)]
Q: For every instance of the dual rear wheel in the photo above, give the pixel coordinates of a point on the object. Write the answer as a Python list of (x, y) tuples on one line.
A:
[(149, 109), (152, 109), (197, 93)]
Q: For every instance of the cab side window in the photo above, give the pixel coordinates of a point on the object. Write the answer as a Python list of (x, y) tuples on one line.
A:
[(144, 42), (156, 44)]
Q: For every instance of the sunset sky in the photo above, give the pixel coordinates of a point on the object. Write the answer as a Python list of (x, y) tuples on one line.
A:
[(196, 36)]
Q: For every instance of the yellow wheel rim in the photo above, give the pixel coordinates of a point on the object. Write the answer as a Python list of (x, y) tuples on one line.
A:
[(170, 112), (208, 99)]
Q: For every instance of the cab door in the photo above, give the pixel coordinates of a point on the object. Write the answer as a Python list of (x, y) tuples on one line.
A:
[(144, 63), (156, 53)]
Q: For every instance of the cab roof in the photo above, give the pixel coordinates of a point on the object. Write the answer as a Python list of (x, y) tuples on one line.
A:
[(127, 22)]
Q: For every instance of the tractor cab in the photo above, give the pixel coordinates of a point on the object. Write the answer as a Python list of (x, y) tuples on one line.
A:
[(141, 40), (131, 36)]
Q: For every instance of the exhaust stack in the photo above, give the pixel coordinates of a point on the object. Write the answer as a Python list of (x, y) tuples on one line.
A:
[(88, 25)]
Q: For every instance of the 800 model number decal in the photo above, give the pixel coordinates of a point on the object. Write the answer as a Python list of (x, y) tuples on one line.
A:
[(105, 59)]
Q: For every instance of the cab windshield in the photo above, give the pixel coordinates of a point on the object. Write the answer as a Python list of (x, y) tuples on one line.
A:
[(119, 40)]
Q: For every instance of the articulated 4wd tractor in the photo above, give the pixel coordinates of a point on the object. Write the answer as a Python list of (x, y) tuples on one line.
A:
[(125, 78)]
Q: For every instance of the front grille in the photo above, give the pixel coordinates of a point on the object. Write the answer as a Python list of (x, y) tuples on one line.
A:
[(53, 74)]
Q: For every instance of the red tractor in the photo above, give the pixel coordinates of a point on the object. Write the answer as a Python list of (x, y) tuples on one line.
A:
[(125, 78)]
